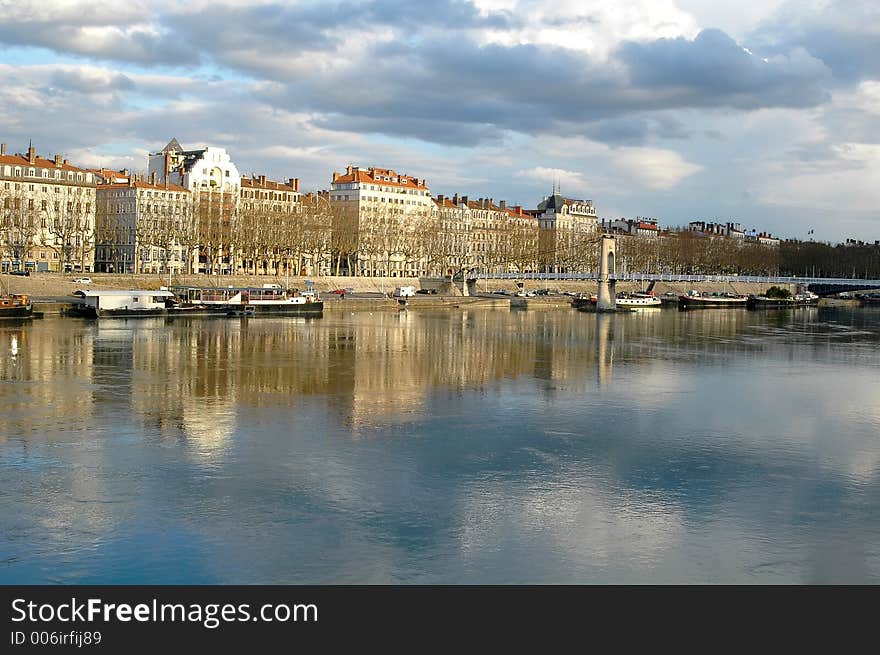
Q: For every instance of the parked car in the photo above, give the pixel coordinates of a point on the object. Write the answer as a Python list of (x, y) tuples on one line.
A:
[(429, 291), (23, 273), (502, 292), (83, 280), (343, 291)]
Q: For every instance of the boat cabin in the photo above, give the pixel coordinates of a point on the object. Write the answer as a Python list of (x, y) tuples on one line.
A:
[(109, 300)]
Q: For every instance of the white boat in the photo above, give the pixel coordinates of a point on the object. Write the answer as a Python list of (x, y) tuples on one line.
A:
[(121, 303), (638, 301)]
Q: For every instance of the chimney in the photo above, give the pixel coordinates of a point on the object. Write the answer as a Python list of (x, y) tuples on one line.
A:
[(125, 171), (65, 162), (455, 200), (335, 176), (503, 204), (348, 169), (262, 179), (464, 200), (2, 148), (131, 181), (294, 182), (57, 161), (440, 198), (32, 157), (153, 178)]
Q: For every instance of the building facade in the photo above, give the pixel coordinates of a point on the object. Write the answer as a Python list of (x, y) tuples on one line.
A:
[(215, 186), (276, 232), (142, 226), (378, 215), (48, 213), (563, 225)]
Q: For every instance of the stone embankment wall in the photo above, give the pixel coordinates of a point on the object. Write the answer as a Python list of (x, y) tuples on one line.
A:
[(47, 287)]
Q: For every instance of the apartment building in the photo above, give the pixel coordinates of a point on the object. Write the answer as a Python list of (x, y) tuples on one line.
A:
[(563, 225), (142, 226), (48, 213), (378, 215)]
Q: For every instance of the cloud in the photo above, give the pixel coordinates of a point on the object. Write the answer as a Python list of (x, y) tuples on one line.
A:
[(633, 101), (124, 32), (653, 168), (843, 34), (552, 176), (713, 70)]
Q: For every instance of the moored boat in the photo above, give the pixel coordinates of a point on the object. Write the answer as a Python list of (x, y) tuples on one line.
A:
[(121, 303), (638, 300), (696, 300), (270, 299), (16, 305), (800, 300)]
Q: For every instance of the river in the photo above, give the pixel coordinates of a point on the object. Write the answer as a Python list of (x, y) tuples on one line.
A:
[(454, 446)]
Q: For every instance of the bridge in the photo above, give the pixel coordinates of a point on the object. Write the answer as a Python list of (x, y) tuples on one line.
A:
[(821, 286)]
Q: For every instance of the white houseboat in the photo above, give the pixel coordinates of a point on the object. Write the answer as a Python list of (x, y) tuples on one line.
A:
[(103, 303)]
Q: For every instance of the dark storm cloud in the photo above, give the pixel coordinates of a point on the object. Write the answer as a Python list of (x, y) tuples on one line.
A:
[(87, 35), (843, 34), (635, 130), (81, 81), (713, 70), (422, 89), (180, 37), (433, 80)]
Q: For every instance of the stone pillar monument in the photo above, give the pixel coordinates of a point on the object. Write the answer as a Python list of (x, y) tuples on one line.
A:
[(607, 297)]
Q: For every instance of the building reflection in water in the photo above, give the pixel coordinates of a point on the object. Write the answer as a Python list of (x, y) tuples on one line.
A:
[(190, 378), (241, 437)]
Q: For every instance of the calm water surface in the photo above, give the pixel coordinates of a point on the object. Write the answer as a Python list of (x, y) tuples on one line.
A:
[(458, 446)]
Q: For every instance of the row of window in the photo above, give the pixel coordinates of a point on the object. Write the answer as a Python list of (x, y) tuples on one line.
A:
[(17, 171), (15, 186), (270, 195)]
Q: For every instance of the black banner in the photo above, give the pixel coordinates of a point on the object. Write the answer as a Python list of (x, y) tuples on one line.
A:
[(121, 618)]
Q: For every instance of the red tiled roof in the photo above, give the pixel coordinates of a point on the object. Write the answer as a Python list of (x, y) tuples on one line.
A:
[(371, 176), (446, 204), (39, 162), (254, 183)]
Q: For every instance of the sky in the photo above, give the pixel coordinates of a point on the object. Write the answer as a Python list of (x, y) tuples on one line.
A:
[(763, 112)]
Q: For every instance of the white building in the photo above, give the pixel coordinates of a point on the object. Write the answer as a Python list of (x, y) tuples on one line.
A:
[(203, 169), (215, 183)]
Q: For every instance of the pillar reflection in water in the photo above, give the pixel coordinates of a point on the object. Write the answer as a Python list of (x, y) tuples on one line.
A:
[(604, 348)]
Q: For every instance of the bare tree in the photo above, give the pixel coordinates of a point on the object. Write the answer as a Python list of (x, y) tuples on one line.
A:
[(216, 216), (70, 232), (18, 224)]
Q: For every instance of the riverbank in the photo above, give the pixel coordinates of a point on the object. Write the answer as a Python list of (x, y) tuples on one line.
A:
[(55, 286)]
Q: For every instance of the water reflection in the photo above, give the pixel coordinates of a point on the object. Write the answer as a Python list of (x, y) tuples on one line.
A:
[(443, 447)]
